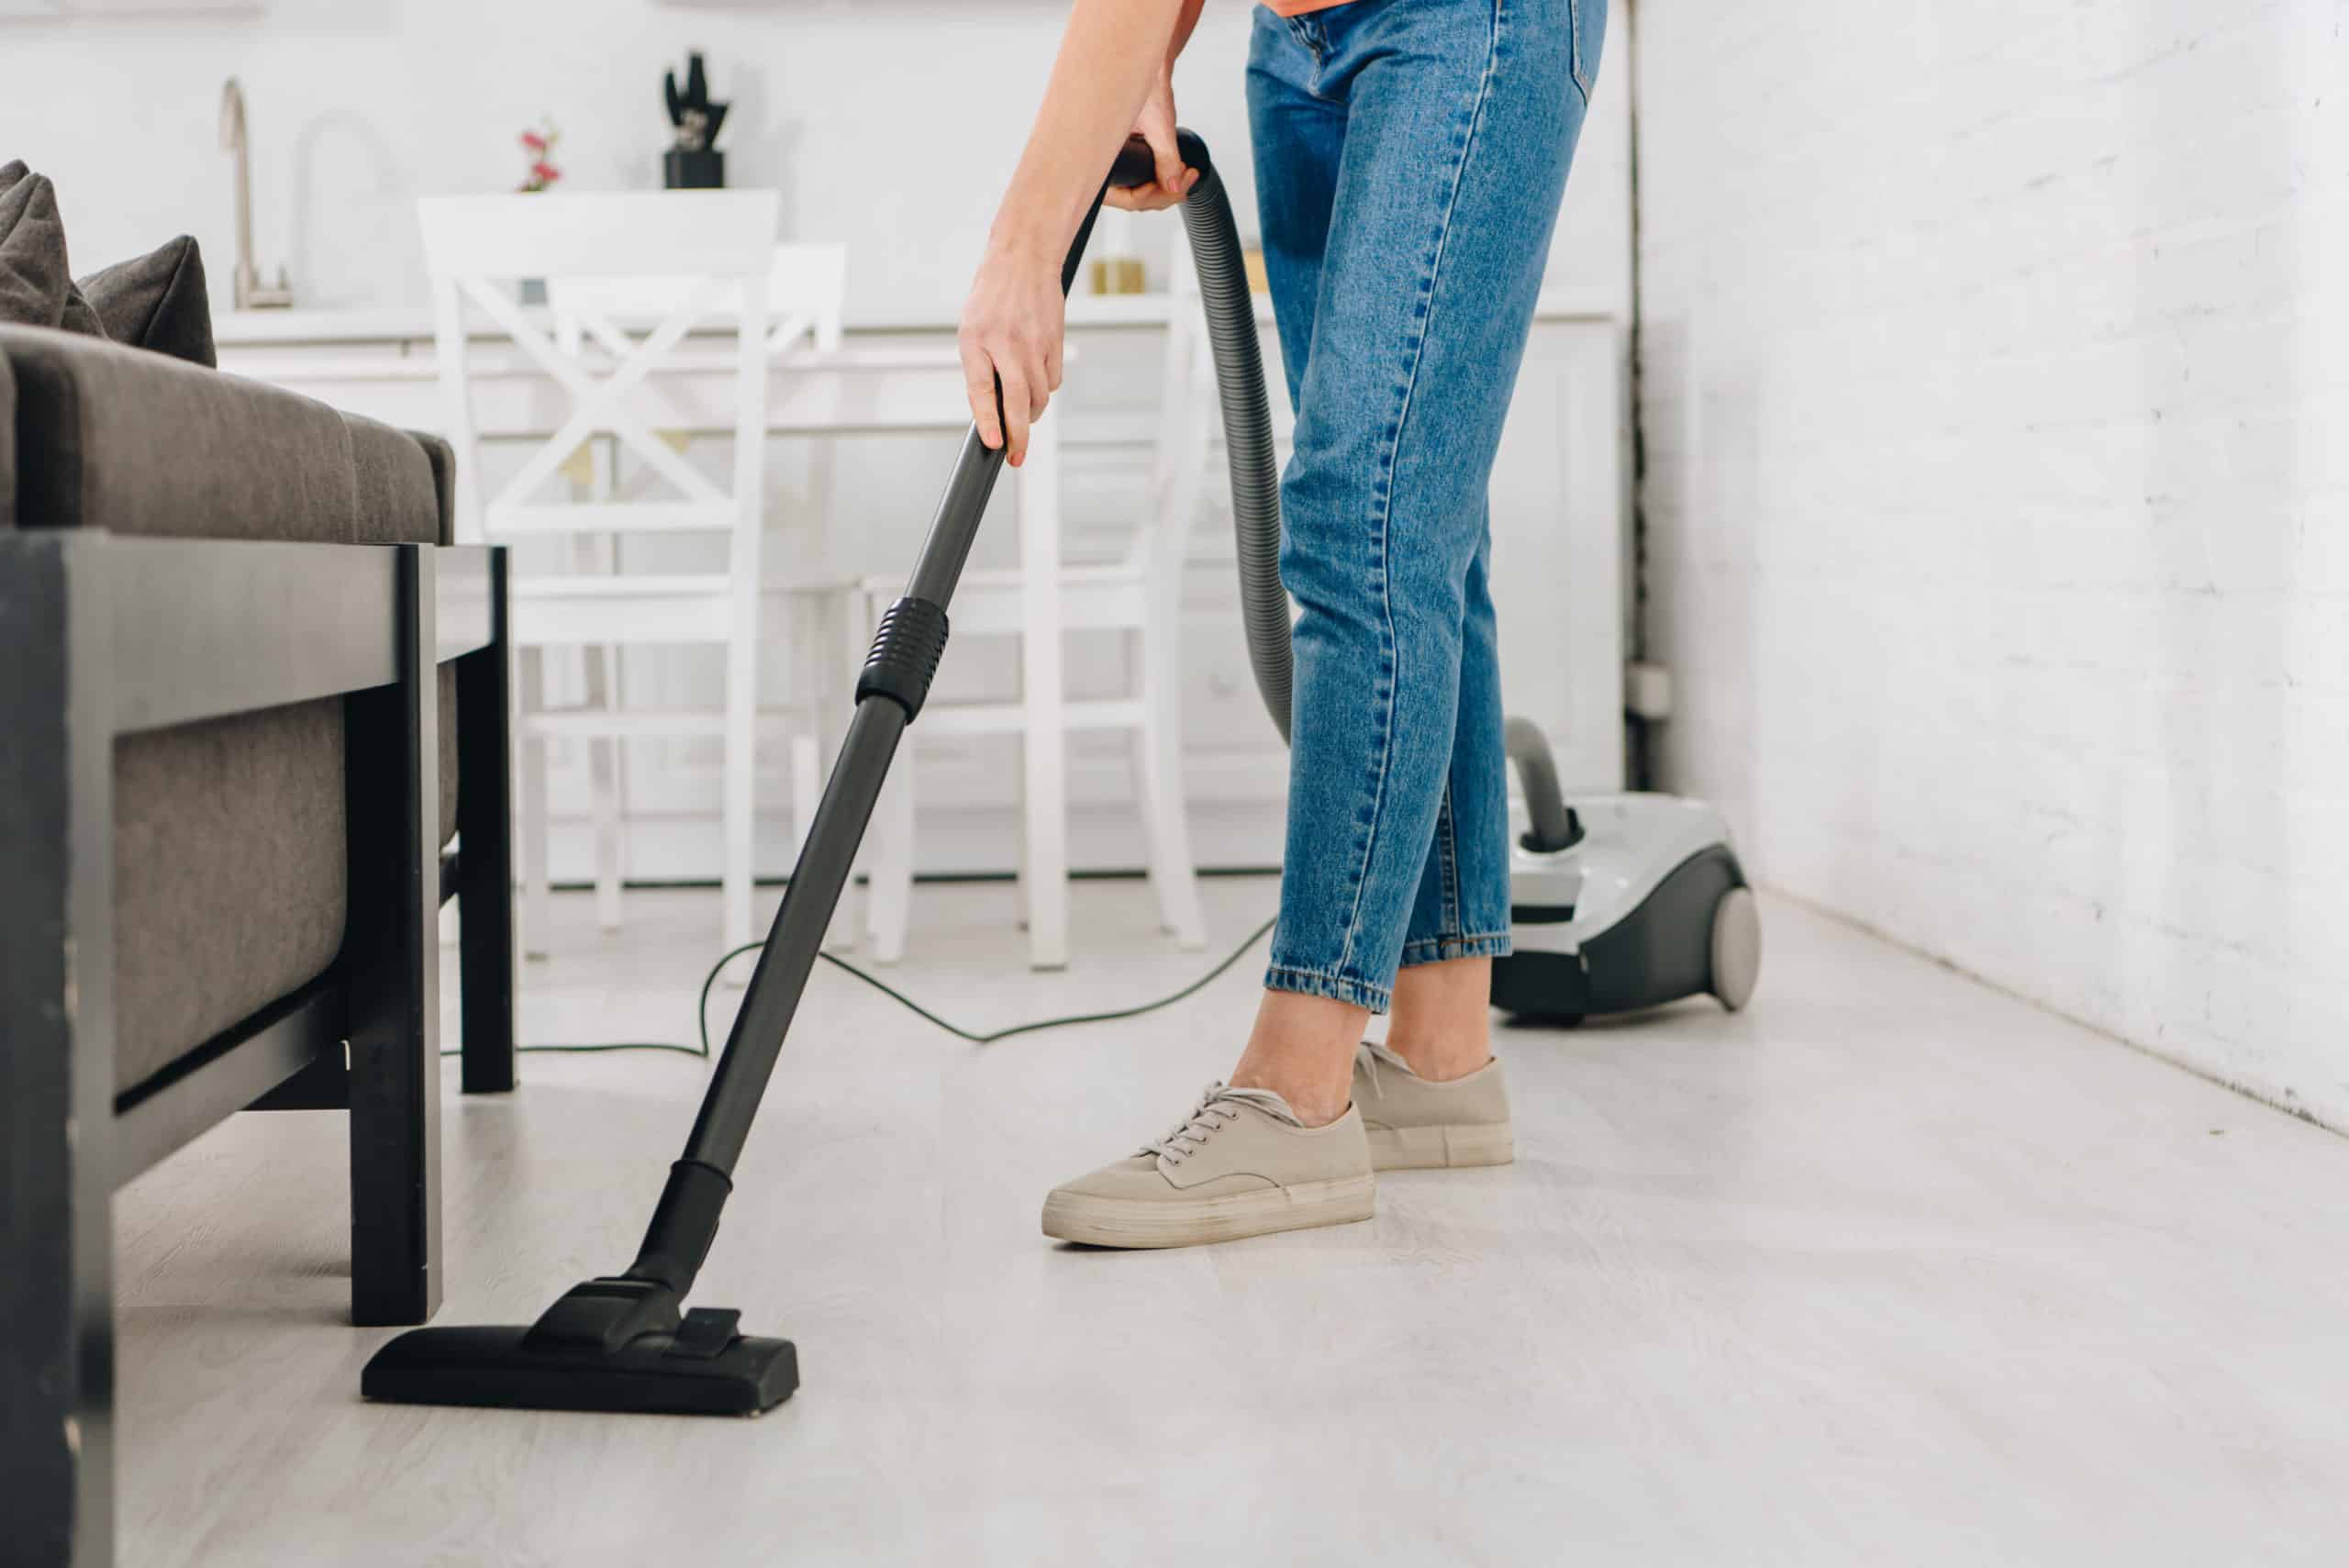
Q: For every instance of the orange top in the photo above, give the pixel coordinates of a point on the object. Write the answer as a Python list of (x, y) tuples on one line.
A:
[(1298, 7)]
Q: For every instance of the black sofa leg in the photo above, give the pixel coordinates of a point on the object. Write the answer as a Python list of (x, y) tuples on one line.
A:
[(56, 1054), (391, 956), (485, 853)]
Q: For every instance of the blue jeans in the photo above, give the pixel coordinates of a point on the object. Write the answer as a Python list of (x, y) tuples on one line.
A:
[(1410, 156)]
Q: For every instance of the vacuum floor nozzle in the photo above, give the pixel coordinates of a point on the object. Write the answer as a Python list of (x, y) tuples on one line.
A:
[(703, 1368)]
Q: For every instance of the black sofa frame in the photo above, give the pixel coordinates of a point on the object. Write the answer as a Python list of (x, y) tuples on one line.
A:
[(103, 635)]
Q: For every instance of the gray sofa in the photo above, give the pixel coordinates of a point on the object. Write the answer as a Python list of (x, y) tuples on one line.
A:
[(248, 695), (229, 836)]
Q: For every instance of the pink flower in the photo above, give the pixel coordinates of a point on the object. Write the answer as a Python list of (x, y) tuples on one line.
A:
[(534, 141), (546, 171)]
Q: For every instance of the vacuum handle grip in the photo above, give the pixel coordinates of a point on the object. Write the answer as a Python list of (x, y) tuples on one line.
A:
[(1138, 166)]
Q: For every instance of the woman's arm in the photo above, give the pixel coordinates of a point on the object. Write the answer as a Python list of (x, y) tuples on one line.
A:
[(1113, 55), (1156, 125)]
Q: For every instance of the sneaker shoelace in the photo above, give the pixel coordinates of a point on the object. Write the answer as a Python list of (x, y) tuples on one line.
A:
[(1218, 1108)]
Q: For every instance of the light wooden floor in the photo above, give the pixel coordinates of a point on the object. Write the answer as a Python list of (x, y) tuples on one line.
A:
[(1888, 1270)]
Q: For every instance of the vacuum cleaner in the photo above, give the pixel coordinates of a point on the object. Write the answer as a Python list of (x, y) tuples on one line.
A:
[(1639, 882), (1618, 902)]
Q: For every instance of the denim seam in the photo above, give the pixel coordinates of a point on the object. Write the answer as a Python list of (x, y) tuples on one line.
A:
[(1472, 944), (1335, 987), (1448, 837), (1575, 71), (1386, 476)]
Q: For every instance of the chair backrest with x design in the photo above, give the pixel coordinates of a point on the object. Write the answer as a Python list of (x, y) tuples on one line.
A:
[(806, 286), (714, 251)]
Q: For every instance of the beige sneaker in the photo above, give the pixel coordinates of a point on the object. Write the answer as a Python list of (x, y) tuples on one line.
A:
[(1241, 1164), (1415, 1125)]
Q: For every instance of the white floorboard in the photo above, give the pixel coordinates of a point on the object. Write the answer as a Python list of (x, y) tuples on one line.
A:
[(1888, 1269)]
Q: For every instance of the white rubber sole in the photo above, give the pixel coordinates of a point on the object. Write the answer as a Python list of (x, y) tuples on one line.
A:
[(1189, 1222), (1440, 1147)]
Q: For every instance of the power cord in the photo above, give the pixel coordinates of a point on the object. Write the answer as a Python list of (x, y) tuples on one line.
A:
[(709, 983)]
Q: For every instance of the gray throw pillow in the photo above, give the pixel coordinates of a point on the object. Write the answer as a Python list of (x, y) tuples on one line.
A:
[(157, 301), (35, 278)]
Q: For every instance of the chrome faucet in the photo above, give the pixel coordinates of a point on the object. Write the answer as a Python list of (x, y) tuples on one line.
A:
[(250, 295)]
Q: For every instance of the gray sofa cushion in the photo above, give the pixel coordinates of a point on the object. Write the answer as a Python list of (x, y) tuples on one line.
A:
[(36, 276), (396, 500), (157, 301), (444, 479), (121, 438), (230, 881)]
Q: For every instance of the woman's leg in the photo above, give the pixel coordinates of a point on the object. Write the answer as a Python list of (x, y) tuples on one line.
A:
[(1461, 117), (1410, 154), (1299, 138), (1441, 1021)]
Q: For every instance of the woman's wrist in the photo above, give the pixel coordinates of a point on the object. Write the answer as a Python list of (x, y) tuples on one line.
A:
[(1030, 230), (1021, 246)]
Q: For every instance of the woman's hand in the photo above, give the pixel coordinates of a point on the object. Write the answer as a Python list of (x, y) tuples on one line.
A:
[(1155, 125), (1112, 54), (1012, 327)]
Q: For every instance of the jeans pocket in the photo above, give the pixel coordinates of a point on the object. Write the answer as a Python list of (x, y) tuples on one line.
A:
[(1589, 19)]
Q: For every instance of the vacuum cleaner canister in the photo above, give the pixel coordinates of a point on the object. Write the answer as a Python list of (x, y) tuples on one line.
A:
[(1619, 902)]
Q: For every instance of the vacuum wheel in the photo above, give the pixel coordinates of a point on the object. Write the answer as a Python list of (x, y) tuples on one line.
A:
[(1736, 946)]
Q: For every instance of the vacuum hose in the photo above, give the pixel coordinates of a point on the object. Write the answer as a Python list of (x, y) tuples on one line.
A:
[(1247, 415), (1554, 825)]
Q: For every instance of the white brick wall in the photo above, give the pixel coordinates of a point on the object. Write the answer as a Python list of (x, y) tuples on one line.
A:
[(1996, 406)]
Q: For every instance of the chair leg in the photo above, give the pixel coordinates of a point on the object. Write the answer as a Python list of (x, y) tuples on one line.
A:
[(888, 906), (486, 853), (598, 555), (1155, 748), (1044, 851), (1043, 696), (807, 785), (856, 624), (604, 766), (392, 962), (1023, 908), (741, 744), (538, 910), (604, 762), (57, 968)]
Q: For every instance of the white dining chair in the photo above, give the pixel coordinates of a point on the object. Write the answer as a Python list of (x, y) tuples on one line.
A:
[(716, 249), (1139, 595), (807, 291)]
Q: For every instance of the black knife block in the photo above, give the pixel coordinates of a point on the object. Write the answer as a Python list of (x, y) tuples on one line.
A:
[(702, 168)]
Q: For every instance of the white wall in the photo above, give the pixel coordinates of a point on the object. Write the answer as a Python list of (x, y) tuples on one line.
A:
[(890, 124), (1998, 380)]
